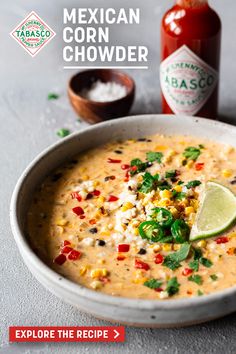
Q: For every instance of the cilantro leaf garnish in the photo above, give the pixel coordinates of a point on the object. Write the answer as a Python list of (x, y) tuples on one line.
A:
[(193, 184), (154, 156), (171, 174), (194, 265), (196, 279), (149, 182), (141, 166), (200, 293), (62, 133), (197, 253), (178, 195), (153, 283), (53, 96), (205, 262), (172, 286), (173, 260), (192, 153), (213, 277)]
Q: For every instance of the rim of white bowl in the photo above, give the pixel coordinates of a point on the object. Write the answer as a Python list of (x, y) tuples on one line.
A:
[(80, 290)]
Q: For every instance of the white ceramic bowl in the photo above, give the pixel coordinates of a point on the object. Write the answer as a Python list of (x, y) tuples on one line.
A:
[(146, 313)]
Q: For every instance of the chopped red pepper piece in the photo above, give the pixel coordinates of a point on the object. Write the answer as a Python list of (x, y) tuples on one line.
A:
[(134, 168), (187, 271), (141, 265), (75, 195), (66, 249), (123, 247), (74, 255), (112, 198), (158, 290), (189, 292), (199, 166), (109, 160), (92, 221), (120, 258), (159, 259), (78, 211), (125, 167), (60, 259), (222, 239), (66, 243), (82, 217), (96, 193)]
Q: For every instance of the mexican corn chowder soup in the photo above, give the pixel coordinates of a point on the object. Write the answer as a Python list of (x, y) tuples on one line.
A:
[(117, 219)]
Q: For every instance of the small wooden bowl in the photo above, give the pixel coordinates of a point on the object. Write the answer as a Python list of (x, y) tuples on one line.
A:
[(92, 111)]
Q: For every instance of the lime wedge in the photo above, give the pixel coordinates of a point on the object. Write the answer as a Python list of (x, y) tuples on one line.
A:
[(217, 211)]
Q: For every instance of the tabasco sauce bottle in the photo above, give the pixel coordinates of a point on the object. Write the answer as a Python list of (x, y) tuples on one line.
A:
[(190, 58)]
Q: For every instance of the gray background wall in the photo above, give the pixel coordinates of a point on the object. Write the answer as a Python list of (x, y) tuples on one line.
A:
[(28, 124)]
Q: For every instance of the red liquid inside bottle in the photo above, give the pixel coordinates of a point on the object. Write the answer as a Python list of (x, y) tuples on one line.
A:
[(190, 55)]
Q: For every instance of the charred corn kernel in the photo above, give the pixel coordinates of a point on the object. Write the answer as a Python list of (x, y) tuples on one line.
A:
[(231, 251), (202, 243), (127, 206), (61, 222), (194, 203), (101, 261), (96, 183), (83, 270), (176, 247), (98, 215), (189, 210), (185, 202), (96, 284), (178, 188), (85, 177), (165, 194), (167, 247), (156, 248), (190, 163), (227, 173), (136, 231), (96, 273), (174, 212)]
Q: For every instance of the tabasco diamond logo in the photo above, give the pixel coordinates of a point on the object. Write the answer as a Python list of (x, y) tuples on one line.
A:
[(187, 82), (33, 34)]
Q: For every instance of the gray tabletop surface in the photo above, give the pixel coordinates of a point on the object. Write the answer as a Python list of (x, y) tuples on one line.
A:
[(29, 123)]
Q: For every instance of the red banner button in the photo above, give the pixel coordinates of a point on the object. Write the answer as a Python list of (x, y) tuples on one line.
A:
[(67, 334)]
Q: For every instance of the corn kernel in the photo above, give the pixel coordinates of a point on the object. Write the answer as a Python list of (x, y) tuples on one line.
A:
[(101, 261), (96, 273), (176, 247), (136, 231), (178, 188), (83, 270), (164, 203), (167, 247), (61, 222), (140, 280), (206, 254), (202, 243), (174, 212), (194, 203), (101, 200), (96, 284), (156, 248), (161, 148), (189, 210), (85, 177), (127, 206), (190, 163), (165, 194), (227, 173)]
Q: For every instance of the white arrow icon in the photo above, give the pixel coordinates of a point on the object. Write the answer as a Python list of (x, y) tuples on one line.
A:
[(116, 334)]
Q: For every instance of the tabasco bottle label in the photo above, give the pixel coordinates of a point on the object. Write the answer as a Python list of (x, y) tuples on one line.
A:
[(187, 81)]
